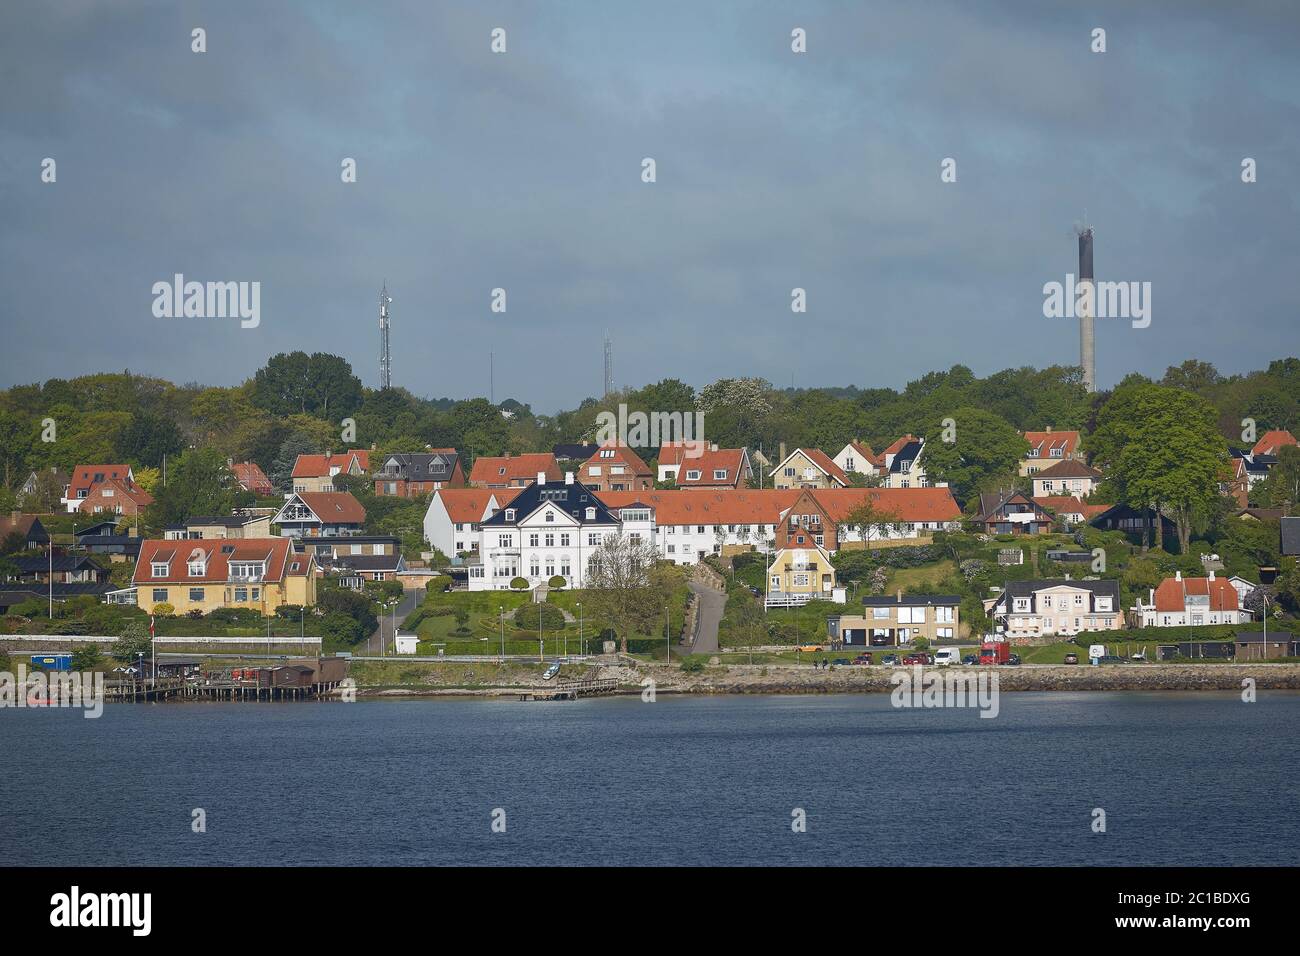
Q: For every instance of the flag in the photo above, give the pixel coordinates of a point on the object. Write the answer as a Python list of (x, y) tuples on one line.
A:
[(151, 627)]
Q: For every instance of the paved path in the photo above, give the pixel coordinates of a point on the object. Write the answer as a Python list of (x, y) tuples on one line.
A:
[(712, 604), (384, 636)]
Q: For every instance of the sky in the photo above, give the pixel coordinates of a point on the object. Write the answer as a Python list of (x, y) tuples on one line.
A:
[(522, 170)]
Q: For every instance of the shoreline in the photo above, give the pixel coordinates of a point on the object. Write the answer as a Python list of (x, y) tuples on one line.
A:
[(777, 680)]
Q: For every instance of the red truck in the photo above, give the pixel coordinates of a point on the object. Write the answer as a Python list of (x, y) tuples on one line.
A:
[(995, 652)]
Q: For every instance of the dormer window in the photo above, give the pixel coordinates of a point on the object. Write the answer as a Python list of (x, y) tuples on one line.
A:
[(607, 453), (510, 514), (719, 474), (197, 568), (591, 514), (159, 569), (693, 474)]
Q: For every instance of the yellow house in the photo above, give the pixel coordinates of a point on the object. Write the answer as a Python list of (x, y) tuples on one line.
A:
[(808, 468), (799, 575), (204, 575)]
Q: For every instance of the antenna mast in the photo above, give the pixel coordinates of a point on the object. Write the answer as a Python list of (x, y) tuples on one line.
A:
[(385, 355), (609, 365)]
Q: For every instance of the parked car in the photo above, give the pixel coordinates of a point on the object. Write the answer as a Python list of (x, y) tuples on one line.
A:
[(1013, 660), (947, 655), (1071, 658), (889, 659), (1111, 659), (551, 671), (841, 662), (918, 657), (971, 660), (809, 649), (862, 659)]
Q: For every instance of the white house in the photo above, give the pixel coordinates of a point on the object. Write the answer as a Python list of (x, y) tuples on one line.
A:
[(452, 520), (1191, 602), (548, 529), (857, 458)]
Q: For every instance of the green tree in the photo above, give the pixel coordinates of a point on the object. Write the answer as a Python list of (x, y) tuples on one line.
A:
[(984, 446), (199, 483)]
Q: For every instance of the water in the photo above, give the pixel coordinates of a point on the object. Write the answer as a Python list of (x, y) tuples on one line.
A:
[(1184, 779)]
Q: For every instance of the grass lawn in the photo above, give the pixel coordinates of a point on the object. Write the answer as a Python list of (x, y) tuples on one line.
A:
[(453, 674), (926, 577)]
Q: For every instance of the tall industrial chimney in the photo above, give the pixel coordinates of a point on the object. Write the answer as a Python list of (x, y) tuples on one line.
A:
[(1087, 341)]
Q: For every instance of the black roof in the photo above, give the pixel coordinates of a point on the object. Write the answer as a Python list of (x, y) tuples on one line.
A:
[(1097, 586), (58, 562), (892, 600), (366, 562), (97, 529), (1257, 637), (1291, 535), (575, 452), (225, 521), (423, 466), (909, 452), (573, 499)]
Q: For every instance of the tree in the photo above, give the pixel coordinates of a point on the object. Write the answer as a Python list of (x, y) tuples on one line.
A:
[(148, 438), (1161, 449), (134, 640), (867, 515), (747, 619), (86, 658), (1193, 375), (198, 484), (281, 474), (1282, 486), (320, 384), (983, 446), (621, 588)]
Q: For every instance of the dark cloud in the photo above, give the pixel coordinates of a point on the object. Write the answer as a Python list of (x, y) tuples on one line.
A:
[(522, 171)]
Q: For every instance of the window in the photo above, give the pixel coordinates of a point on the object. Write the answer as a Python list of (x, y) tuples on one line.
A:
[(593, 471), (159, 594), (911, 615), (672, 549), (159, 569), (196, 568), (196, 594), (693, 474), (241, 594), (532, 540), (607, 453), (943, 615), (564, 540), (789, 472), (510, 514), (880, 613), (719, 474), (616, 469), (550, 516), (550, 539), (593, 540), (591, 514), (505, 540), (944, 632)]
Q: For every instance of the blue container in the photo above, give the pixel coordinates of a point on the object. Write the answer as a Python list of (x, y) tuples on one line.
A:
[(52, 662)]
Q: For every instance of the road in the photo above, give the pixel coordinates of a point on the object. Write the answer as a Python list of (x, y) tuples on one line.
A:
[(384, 636), (712, 604)]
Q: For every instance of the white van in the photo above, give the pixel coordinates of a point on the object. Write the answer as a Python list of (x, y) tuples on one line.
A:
[(947, 655)]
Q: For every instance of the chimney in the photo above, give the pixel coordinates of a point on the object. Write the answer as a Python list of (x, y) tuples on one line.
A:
[(1049, 429), (713, 447), (568, 477), (780, 453), (898, 595), (1152, 598), (1211, 574), (541, 477), (1087, 342), (1178, 575)]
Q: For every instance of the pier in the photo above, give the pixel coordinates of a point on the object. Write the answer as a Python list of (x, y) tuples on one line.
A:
[(572, 690)]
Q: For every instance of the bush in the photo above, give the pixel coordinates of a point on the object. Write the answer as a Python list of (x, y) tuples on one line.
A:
[(86, 658), (519, 584), (438, 583), (533, 617), (556, 583), (163, 609), (692, 664)]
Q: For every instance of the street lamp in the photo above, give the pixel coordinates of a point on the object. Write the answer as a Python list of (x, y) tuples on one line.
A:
[(668, 630), (502, 609), (582, 645)]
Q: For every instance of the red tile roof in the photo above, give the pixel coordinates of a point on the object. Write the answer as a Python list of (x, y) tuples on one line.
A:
[(250, 476), (334, 507), (319, 466), (83, 476), (1172, 593), (506, 469), (1272, 441), (621, 455), (465, 505), (908, 504), (1069, 504), (121, 491), (730, 460), (1067, 441), (276, 552), (701, 506)]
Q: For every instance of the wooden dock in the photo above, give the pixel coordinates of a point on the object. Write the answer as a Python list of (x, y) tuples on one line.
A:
[(572, 690)]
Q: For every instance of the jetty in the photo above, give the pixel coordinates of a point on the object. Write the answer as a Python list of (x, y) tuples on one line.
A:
[(571, 690)]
